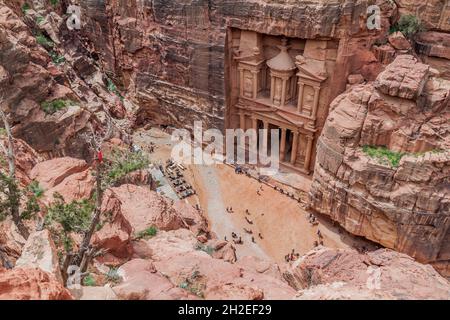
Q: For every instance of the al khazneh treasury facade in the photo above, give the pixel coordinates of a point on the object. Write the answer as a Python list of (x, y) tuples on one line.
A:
[(281, 83)]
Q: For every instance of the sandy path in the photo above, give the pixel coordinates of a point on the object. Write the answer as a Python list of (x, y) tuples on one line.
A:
[(281, 221), (221, 222)]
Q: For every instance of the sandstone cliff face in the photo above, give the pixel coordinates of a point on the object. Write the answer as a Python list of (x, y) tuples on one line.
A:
[(172, 56), (36, 70), (434, 13), (403, 204), (330, 274)]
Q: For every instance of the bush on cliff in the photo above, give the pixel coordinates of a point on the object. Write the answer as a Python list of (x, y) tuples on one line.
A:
[(50, 107), (409, 25), (123, 163), (384, 155)]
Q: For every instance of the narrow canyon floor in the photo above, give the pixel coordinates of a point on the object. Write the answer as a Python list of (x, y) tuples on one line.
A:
[(282, 222)]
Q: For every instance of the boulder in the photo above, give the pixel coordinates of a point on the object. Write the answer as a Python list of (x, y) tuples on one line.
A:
[(31, 284), (40, 252), (399, 201), (326, 273), (67, 176), (115, 237), (177, 255), (141, 281), (404, 78), (398, 41), (142, 208), (11, 241)]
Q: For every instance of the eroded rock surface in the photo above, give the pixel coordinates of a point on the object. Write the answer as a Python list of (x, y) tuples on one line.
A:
[(402, 205), (31, 284), (383, 274)]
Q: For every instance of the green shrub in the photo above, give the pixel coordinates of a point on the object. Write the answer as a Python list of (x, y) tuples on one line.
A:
[(194, 284), (201, 247), (73, 217), (44, 41), (409, 25), (11, 195), (36, 189), (113, 88), (54, 2), (147, 233), (56, 58), (384, 155), (89, 281), (113, 276), (50, 107), (39, 19), (25, 8), (123, 163)]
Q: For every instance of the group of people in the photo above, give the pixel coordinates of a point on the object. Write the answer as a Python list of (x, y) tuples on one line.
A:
[(238, 239), (292, 256), (313, 220), (320, 241)]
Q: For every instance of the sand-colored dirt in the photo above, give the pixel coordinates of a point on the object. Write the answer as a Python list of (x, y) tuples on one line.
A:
[(281, 221)]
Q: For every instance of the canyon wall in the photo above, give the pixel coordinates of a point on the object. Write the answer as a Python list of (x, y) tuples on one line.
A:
[(172, 57), (397, 195)]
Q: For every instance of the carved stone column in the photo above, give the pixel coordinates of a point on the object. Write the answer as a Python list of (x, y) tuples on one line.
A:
[(283, 92), (241, 82), (283, 145), (255, 84), (266, 137), (294, 148), (301, 89), (242, 120), (316, 102), (309, 148)]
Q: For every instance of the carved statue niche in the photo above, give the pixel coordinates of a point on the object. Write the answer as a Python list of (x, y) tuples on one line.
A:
[(251, 73), (282, 75), (311, 75)]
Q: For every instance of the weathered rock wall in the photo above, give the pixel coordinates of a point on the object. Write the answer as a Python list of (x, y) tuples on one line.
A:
[(404, 205), (172, 57)]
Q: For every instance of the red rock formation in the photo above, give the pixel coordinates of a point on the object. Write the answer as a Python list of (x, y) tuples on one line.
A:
[(177, 255), (383, 274), (40, 252), (172, 57), (67, 176), (141, 281), (142, 208), (403, 206), (31, 284)]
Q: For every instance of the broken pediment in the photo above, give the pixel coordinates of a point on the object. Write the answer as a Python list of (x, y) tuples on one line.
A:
[(311, 69)]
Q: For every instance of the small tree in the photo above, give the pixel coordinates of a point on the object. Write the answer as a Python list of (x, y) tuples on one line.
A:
[(86, 252), (12, 193), (408, 25)]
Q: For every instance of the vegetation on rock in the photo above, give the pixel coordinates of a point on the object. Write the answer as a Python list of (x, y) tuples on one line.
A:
[(383, 155), (409, 25), (50, 107)]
